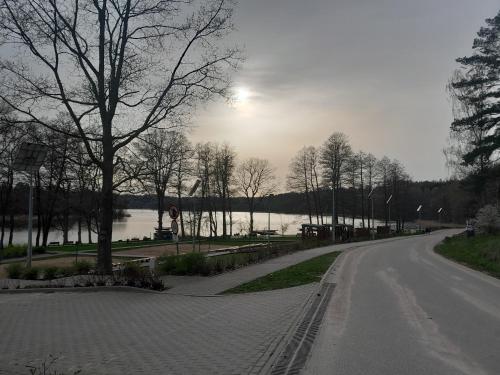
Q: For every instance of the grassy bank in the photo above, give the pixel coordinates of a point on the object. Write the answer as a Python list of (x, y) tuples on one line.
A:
[(302, 273), (481, 252)]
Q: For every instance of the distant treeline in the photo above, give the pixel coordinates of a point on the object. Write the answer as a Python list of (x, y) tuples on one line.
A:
[(458, 204)]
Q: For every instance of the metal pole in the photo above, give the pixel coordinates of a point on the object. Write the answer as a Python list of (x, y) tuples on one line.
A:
[(194, 226), (373, 221), (268, 224), (333, 211), (30, 223), (390, 226)]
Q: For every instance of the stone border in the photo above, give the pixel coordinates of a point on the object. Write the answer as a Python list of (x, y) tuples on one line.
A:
[(82, 289)]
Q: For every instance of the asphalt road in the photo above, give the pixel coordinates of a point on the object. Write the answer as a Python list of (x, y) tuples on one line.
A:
[(399, 308)]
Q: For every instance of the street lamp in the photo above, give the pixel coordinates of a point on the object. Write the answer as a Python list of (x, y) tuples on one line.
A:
[(333, 211), (389, 208), (29, 158), (191, 193), (439, 215), (370, 197), (269, 219), (419, 210)]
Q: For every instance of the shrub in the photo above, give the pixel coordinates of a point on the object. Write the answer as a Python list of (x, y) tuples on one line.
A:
[(50, 272), (132, 270), (167, 264), (82, 267), (14, 251), (31, 273), (194, 263), (488, 219), (14, 270)]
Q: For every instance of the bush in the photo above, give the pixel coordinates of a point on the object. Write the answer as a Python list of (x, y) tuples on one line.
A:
[(132, 270), (31, 273), (50, 272), (14, 251), (14, 270), (194, 263), (488, 219), (82, 267)]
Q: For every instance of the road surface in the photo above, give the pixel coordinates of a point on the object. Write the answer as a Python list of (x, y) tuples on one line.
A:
[(399, 308)]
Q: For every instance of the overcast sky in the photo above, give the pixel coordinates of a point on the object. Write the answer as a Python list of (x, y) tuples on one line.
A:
[(373, 69)]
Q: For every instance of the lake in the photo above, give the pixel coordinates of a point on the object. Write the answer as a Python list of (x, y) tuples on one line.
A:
[(141, 223)]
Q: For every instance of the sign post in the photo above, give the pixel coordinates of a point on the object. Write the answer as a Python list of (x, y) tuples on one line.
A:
[(173, 212), (29, 158)]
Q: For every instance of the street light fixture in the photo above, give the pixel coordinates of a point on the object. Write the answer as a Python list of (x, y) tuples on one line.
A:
[(191, 193), (29, 158), (389, 208), (370, 197), (269, 219)]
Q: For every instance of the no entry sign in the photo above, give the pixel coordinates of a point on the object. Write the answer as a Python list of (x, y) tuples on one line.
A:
[(173, 212)]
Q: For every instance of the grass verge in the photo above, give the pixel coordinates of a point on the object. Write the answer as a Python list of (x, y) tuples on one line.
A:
[(481, 252), (302, 273)]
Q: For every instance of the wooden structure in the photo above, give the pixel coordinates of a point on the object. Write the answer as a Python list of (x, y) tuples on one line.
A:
[(164, 234), (343, 232)]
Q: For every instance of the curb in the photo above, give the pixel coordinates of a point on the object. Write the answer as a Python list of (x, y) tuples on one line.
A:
[(285, 339), (82, 289)]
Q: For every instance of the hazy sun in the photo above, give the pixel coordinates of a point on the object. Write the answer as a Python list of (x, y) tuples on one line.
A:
[(241, 95)]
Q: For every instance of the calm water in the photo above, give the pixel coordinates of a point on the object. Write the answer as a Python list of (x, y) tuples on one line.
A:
[(142, 223)]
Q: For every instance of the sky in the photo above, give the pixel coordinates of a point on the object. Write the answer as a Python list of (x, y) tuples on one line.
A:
[(375, 70)]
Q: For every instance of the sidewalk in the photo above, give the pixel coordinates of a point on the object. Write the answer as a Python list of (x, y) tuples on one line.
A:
[(209, 286)]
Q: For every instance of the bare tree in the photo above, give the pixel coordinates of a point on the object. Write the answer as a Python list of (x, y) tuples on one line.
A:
[(158, 151), (335, 153), (370, 162), (224, 167), (255, 179), (182, 173), (116, 68), (299, 177)]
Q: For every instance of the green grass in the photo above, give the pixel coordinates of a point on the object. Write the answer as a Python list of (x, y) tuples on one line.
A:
[(481, 252), (302, 273)]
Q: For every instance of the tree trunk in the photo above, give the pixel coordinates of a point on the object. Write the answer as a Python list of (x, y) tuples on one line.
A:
[(105, 233), (11, 228), (161, 209), (2, 234)]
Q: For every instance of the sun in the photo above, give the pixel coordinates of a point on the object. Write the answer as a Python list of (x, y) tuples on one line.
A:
[(241, 95)]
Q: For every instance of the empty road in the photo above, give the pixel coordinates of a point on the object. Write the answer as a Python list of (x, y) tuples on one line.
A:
[(399, 308)]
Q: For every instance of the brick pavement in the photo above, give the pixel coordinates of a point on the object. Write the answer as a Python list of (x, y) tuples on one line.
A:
[(144, 333)]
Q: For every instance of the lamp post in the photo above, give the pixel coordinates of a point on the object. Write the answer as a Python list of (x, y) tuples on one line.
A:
[(191, 193), (389, 209), (29, 158), (333, 211), (269, 219), (419, 210), (370, 197)]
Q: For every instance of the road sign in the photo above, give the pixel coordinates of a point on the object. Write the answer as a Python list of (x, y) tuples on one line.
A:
[(173, 212), (388, 200), (419, 208), (174, 227), (439, 211)]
